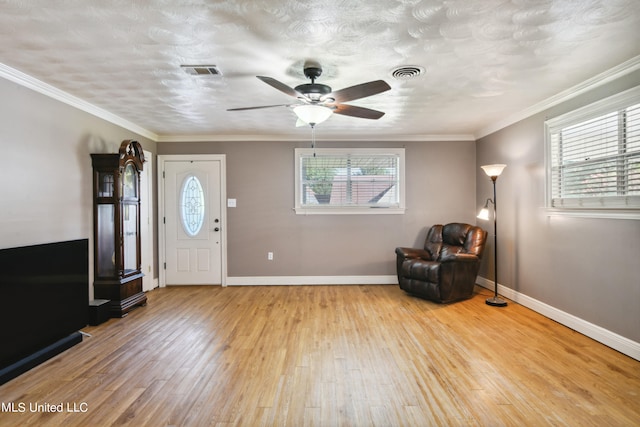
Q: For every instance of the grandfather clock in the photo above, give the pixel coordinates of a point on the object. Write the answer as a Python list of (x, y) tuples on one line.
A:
[(116, 235)]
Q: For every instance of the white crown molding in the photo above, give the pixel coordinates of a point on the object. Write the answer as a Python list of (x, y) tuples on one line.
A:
[(326, 138), (603, 78), (39, 86), (598, 333), (311, 280)]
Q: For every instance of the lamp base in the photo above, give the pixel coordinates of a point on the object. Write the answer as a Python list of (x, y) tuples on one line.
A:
[(496, 302)]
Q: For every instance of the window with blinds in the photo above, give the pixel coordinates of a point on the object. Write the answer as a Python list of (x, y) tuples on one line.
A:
[(343, 181), (594, 155)]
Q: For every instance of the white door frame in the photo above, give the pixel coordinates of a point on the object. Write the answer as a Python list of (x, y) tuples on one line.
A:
[(147, 226), (162, 159)]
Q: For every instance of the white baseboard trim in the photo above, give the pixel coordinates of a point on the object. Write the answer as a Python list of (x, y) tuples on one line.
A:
[(312, 280), (154, 284), (604, 336)]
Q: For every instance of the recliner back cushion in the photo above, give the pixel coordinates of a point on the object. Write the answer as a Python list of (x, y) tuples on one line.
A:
[(475, 242), (454, 238), (433, 242), (455, 234)]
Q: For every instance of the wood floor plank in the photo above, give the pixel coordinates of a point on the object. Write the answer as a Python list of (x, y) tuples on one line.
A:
[(328, 356)]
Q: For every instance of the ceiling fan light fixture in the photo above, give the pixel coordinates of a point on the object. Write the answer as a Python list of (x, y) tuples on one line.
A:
[(312, 114)]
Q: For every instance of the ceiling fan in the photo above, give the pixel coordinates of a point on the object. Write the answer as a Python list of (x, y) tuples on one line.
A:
[(317, 102)]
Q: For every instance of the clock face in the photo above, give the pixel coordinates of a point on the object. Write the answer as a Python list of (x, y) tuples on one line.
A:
[(129, 182)]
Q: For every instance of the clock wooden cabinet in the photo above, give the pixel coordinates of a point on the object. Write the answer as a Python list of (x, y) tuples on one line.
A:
[(116, 235)]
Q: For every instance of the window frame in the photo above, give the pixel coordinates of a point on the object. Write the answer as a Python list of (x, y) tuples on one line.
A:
[(301, 209), (617, 207)]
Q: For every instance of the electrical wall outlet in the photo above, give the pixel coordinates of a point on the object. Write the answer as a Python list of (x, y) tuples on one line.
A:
[(270, 256)]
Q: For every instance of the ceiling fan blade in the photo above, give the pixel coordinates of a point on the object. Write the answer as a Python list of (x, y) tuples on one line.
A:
[(353, 111), (257, 108), (358, 91), (281, 86)]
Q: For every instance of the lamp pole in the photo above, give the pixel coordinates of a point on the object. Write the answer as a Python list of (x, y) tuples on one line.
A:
[(493, 171), (495, 301)]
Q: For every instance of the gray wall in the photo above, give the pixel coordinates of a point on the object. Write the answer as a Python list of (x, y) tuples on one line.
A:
[(46, 178), (440, 180), (588, 267)]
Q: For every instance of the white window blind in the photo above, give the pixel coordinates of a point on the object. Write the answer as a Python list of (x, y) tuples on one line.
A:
[(349, 181), (594, 156)]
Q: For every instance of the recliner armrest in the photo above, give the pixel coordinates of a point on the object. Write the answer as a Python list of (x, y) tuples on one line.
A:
[(413, 253), (459, 258)]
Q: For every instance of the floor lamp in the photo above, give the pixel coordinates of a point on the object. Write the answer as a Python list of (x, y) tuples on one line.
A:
[(493, 171)]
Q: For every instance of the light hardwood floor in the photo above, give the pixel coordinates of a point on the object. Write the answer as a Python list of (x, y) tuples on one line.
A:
[(328, 356)]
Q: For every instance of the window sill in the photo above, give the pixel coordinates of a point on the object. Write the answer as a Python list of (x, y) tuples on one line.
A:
[(630, 214), (348, 211)]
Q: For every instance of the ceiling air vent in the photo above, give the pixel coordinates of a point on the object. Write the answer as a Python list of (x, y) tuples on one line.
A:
[(407, 72), (202, 70)]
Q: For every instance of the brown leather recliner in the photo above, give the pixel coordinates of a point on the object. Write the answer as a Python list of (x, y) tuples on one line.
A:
[(446, 269)]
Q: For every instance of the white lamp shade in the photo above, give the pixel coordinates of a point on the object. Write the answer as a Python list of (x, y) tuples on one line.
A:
[(312, 114), (484, 214), (493, 170)]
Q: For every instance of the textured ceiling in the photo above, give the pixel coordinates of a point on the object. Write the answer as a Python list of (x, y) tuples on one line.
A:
[(484, 60)]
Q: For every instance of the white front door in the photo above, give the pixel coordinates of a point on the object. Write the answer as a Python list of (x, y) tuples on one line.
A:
[(193, 224)]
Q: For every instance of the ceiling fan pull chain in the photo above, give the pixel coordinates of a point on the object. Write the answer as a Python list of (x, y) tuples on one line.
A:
[(313, 139)]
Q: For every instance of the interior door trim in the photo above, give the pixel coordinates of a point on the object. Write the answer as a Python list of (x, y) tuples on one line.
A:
[(162, 159), (149, 282)]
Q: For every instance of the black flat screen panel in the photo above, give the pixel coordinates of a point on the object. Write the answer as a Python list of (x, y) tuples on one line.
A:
[(44, 296)]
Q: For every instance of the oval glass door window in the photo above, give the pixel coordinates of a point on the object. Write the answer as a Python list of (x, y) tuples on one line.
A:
[(192, 205)]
